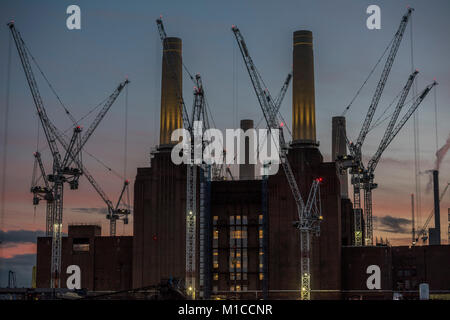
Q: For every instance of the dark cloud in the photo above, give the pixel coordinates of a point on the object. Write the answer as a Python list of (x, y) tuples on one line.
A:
[(19, 236), (22, 265), (90, 210), (392, 224)]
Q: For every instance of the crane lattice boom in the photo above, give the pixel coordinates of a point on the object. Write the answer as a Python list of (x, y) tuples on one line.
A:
[(309, 214)]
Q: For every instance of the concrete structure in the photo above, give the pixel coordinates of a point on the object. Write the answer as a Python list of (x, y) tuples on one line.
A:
[(339, 148), (105, 262), (246, 170), (303, 96), (171, 90)]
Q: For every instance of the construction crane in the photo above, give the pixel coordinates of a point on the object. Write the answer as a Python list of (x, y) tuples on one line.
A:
[(423, 231), (309, 214), (61, 170), (354, 160), (391, 132), (114, 212), (11, 280), (368, 174), (280, 97), (45, 192), (199, 113)]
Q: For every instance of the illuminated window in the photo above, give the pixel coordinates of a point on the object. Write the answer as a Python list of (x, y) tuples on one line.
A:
[(261, 276), (216, 276), (234, 263), (215, 258), (215, 219), (80, 245), (238, 234), (261, 233), (238, 255), (215, 237), (260, 219)]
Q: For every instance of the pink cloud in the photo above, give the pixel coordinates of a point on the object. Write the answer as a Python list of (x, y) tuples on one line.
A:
[(16, 249)]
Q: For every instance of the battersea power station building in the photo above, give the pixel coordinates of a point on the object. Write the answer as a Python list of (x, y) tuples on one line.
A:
[(248, 247)]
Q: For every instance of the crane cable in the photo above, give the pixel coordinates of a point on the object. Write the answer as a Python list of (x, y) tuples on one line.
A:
[(435, 118), (125, 151), (66, 110), (74, 121), (367, 79), (379, 121), (5, 138)]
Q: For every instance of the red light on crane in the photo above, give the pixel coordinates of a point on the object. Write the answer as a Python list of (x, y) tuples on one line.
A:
[(155, 237)]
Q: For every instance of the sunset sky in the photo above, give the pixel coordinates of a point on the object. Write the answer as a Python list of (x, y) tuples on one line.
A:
[(119, 39)]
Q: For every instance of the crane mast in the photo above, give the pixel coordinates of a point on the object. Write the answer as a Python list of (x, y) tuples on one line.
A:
[(355, 149), (309, 214)]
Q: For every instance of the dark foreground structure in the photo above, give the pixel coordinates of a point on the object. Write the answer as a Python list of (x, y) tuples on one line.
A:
[(249, 248), (105, 262)]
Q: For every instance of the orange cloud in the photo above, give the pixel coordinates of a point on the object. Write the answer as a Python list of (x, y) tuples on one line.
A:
[(17, 249)]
